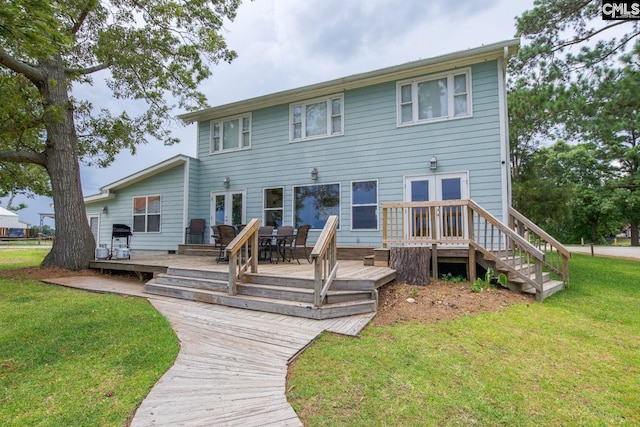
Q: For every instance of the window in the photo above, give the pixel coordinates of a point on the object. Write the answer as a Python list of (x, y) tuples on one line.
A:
[(273, 198), (231, 134), (146, 214), (314, 203), (441, 97), (318, 118), (364, 205)]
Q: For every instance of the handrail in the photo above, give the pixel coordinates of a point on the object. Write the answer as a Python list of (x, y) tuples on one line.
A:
[(463, 223), (324, 256), (558, 262), (247, 241)]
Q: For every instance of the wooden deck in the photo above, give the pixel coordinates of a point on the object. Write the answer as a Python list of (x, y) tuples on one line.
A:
[(283, 288), (349, 269), (232, 365)]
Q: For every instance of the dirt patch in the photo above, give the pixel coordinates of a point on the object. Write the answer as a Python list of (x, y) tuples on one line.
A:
[(441, 300)]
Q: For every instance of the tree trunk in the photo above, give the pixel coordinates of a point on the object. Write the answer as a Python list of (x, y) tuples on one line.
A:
[(411, 264), (74, 245), (634, 233)]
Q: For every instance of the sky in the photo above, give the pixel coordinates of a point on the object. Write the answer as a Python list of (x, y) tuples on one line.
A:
[(285, 44)]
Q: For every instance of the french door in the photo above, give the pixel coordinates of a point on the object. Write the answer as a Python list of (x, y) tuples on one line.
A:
[(449, 220), (228, 207)]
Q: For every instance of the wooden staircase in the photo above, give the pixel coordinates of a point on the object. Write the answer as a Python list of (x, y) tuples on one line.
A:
[(274, 294), (321, 295), (521, 250), (514, 270)]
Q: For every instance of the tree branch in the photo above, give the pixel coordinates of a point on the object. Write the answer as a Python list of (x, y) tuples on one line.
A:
[(91, 4), (23, 157), (587, 37), (32, 73), (87, 70)]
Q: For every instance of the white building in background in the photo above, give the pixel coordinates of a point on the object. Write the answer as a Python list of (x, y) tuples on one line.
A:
[(11, 226)]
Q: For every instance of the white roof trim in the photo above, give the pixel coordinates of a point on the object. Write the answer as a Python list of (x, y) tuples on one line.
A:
[(398, 72), (109, 191)]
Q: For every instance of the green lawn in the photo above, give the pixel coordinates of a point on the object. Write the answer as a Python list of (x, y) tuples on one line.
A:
[(572, 360), (74, 358)]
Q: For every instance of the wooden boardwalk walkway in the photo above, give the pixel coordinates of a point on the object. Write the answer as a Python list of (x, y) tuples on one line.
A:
[(232, 365)]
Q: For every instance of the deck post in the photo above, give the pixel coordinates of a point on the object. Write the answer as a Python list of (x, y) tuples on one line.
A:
[(232, 274), (434, 260), (471, 268)]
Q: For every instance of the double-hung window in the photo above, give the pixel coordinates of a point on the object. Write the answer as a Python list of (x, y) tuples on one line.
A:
[(273, 206), (317, 118), (146, 214), (439, 97), (231, 134), (364, 205)]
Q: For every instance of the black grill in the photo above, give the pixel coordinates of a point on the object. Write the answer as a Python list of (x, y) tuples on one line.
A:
[(121, 230)]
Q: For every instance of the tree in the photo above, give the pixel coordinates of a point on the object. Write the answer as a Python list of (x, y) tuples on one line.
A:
[(583, 65), (151, 51)]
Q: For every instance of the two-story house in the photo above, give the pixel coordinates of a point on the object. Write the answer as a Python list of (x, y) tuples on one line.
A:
[(433, 129)]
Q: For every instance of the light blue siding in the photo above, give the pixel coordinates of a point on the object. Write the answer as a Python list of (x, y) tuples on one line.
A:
[(170, 186), (373, 147)]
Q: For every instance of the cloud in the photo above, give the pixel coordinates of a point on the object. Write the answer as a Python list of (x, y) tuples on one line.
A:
[(284, 44)]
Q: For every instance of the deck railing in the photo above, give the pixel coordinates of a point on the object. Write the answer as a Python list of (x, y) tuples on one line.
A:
[(557, 259), (324, 258), (243, 254), (462, 223)]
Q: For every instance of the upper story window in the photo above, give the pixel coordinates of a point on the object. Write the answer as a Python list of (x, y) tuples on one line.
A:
[(146, 214), (231, 134), (440, 97), (317, 118)]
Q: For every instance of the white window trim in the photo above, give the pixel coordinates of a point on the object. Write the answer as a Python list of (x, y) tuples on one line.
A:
[(327, 100), (240, 133), (146, 214), (414, 97), (293, 202), (265, 209), (377, 205)]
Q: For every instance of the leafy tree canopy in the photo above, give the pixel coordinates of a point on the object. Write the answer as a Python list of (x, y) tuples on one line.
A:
[(156, 52)]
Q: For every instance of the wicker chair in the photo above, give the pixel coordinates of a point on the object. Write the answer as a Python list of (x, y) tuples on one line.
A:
[(196, 228), (299, 242), (226, 234), (284, 237), (265, 242)]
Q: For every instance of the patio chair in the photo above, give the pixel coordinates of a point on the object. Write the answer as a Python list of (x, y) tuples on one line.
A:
[(299, 242), (196, 228), (284, 237), (226, 234), (265, 242)]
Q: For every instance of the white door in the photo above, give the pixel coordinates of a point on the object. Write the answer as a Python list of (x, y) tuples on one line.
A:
[(94, 223), (228, 207), (424, 188)]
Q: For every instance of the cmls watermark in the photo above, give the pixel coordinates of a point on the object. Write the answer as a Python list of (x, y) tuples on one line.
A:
[(623, 9)]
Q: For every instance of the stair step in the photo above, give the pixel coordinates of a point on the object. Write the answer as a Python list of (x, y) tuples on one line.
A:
[(192, 282), (292, 308), (300, 294)]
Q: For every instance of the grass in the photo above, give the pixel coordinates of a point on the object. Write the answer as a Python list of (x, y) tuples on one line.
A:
[(573, 360), (74, 358), (11, 258)]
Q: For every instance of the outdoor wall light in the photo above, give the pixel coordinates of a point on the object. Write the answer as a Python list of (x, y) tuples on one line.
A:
[(105, 209), (226, 181), (434, 163), (314, 174)]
